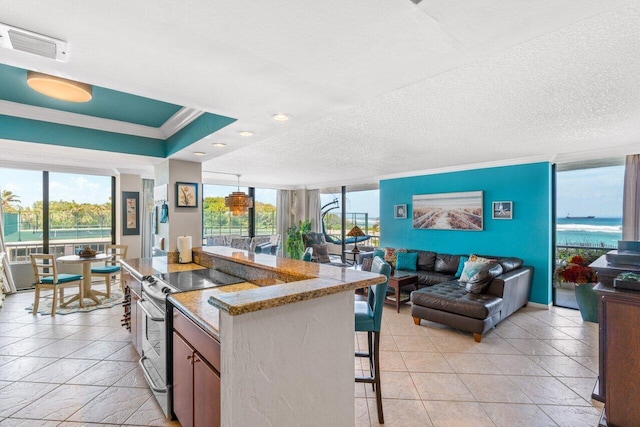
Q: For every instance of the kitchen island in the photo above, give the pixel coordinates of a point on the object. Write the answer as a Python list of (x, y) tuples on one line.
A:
[(281, 344)]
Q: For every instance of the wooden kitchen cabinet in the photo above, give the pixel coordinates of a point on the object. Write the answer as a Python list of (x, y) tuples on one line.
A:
[(135, 290), (196, 381), (619, 354)]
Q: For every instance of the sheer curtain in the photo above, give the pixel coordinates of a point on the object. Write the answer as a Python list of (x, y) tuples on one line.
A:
[(5, 271), (631, 199), (283, 215), (313, 210)]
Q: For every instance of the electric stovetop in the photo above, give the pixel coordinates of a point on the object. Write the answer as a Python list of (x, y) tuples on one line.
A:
[(199, 279)]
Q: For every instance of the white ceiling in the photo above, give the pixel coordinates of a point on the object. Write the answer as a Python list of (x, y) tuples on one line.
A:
[(376, 88)]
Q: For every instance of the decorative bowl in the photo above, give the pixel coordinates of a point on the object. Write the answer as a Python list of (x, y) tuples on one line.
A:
[(87, 252)]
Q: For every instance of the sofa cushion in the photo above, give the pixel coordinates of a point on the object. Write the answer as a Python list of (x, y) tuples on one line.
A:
[(476, 258), (431, 278), (453, 298), (470, 269), (406, 261), (510, 264), (366, 264), (447, 264), (480, 281), (321, 252), (426, 260), (378, 252), (463, 259), (390, 256)]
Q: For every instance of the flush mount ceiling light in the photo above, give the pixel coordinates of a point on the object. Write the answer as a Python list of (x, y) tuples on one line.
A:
[(245, 133), (219, 144), (199, 153), (280, 117), (238, 202), (59, 88)]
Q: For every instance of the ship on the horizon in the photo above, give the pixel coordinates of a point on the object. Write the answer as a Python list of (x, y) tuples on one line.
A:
[(580, 217)]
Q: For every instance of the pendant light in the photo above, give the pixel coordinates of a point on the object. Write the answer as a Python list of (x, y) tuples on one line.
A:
[(238, 202)]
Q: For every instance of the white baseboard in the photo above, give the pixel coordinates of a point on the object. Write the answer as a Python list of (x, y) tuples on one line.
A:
[(538, 305)]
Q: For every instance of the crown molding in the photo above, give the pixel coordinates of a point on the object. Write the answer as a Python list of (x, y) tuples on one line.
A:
[(179, 120), (79, 120)]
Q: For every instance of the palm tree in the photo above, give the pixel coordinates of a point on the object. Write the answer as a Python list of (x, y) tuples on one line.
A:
[(7, 199)]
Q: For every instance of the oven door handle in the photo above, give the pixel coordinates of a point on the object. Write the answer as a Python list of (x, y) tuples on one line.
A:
[(147, 376), (147, 308)]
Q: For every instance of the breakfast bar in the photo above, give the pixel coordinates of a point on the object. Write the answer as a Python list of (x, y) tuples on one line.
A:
[(275, 347)]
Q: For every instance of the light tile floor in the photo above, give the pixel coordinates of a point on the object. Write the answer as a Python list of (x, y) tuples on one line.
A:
[(70, 370), (537, 368)]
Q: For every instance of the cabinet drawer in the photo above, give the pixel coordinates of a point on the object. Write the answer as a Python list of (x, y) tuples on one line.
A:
[(201, 341)]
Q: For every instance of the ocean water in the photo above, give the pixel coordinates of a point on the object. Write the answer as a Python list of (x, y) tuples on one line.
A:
[(589, 231)]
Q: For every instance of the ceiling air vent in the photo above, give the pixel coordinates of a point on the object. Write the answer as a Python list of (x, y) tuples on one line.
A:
[(34, 43)]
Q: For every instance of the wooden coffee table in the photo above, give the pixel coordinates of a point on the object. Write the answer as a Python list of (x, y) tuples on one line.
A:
[(396, 282)]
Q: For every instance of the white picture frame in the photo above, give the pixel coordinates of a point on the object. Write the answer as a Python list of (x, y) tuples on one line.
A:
[(502, 210), (400, 211), (448, 211)]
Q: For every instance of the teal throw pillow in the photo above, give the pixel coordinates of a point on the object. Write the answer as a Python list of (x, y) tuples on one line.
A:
[(406, 261), (378, 252), (463, 259)]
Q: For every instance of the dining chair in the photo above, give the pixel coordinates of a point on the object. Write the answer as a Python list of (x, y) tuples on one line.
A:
[(111, 265), (47, 277), (368, 317)]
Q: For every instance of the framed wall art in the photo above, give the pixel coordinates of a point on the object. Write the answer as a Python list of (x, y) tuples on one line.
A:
[(502, 210), (400, 211), (130, 213), (186, 195), (448, 211)]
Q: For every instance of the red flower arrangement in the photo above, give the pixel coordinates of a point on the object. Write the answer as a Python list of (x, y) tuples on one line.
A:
[(577, 271)]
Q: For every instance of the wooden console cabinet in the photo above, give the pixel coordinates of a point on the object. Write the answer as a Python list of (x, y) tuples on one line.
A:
[(619, 355), (196, 377)]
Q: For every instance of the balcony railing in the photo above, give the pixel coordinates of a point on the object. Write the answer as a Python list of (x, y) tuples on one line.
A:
[(19, 251)]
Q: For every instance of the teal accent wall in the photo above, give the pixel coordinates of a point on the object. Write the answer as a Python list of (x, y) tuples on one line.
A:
[(19, 129), (204, 125), (106, 103), (526, 236)]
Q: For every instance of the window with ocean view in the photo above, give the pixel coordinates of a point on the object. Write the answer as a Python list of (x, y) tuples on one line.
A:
[(588, 220), (589, 207)]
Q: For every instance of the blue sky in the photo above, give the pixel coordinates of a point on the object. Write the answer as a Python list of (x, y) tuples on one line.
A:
[(596, 192), (81, 188)]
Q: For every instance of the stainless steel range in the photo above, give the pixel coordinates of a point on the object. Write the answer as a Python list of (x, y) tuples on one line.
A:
[(156, 360)]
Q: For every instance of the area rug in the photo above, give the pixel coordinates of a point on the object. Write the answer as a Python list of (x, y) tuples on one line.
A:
[(44, 307)]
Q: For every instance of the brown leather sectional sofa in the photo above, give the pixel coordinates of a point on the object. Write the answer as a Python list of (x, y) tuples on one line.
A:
[(475, 306)]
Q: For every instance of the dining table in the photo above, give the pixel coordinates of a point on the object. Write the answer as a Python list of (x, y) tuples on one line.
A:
[(86, 275)]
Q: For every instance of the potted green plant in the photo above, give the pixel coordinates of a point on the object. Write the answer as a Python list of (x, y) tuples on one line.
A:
[(294, 245), (577, 271)]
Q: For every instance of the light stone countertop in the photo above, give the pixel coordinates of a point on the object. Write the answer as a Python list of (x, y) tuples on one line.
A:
[(292, 281), (271, 282)]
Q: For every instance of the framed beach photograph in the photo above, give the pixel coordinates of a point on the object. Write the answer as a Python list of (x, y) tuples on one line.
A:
[(400, 211), (502, 210), (186, 195), (130, 213), (448, 211)]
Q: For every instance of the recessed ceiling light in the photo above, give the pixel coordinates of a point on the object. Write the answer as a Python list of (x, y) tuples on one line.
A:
[(245, 133), (199, 153), (280, 117), (219, 144)]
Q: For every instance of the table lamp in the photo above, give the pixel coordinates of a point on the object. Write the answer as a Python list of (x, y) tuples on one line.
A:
[(355, 232)]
